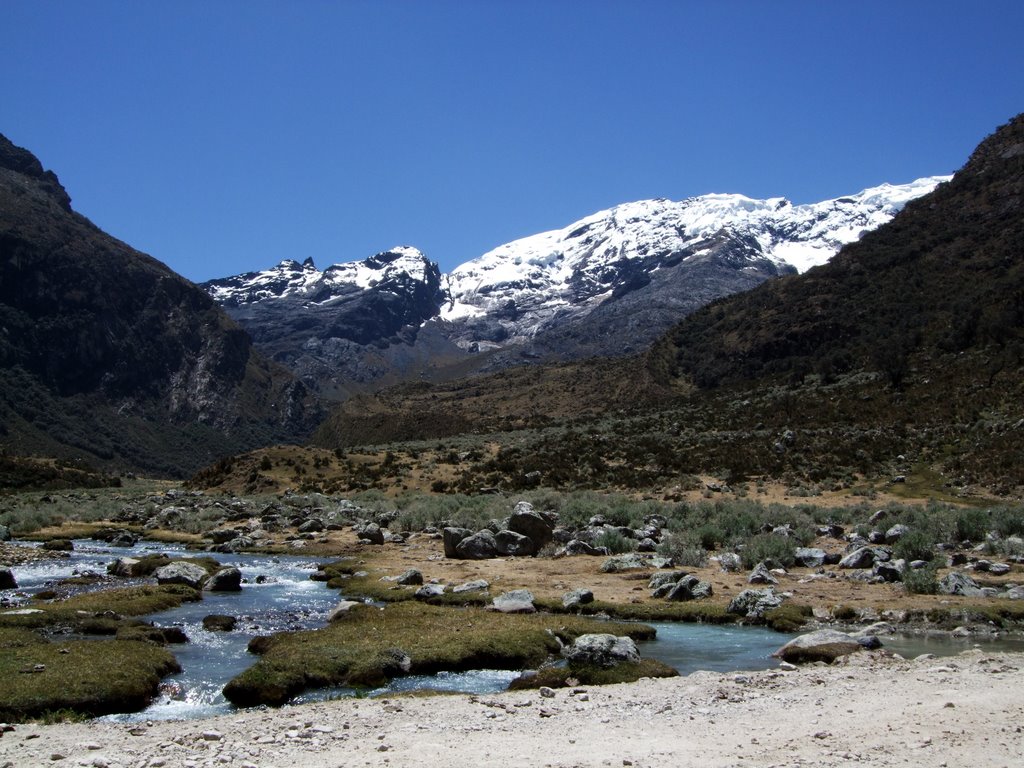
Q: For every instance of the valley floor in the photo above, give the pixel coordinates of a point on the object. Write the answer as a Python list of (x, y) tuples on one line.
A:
[(873, 711)]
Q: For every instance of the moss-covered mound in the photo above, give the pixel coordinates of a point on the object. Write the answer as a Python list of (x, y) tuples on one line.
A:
[(86, 612), (371, 645), (39, 678)]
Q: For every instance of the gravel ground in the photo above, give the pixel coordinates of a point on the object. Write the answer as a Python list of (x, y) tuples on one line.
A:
[(873, 710)]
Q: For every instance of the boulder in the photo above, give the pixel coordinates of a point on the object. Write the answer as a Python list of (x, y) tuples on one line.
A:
[(224, 580), (895, 533), (313, 525), (512, 543), (479, 546), (862, 557), (754, 603), (957, 583), (219, 623), (478, 585), (761, 575), (999, 569), (689, 588), (619, 563), (891, 571), (412, 577), (515, 601), (5, 533), (824, 645), (577, 597), (810, 557), (527, 521), (580, 547), (370, 533), (125, 567), (730, 562), (341, 609), (452, 536), (647, 544), (666, 578), (601, 650), (181, 572), (7, 580), (428, 591)]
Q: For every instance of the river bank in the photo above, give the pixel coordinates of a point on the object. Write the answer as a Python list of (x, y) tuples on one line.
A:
[(870, 711)]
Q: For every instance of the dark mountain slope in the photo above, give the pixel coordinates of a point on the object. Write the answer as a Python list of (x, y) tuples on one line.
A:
[(106, 352), (945, 276)]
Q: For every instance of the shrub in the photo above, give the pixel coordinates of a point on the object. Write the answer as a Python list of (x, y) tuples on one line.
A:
[(615, 542), (683, 550), (915, 545), (767, 547), (1008, 521), (922, 581), (970, 525)]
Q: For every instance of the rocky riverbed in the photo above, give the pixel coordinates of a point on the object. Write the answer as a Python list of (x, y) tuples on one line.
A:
[(868, 709)]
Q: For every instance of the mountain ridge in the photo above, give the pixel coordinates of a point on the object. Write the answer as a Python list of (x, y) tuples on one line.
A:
[(606, 285)]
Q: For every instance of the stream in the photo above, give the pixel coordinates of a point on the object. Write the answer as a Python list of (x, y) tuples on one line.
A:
[(278, 595)]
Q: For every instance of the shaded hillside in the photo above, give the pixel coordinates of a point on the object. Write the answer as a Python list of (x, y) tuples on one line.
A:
[(945, 276), (107, 353)]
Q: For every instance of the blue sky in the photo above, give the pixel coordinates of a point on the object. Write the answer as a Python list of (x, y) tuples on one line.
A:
[(223, 136)]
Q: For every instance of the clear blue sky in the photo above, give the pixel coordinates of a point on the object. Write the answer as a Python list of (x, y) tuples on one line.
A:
[(222, 136)]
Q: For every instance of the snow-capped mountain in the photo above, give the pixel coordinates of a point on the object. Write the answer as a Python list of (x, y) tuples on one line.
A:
[(555, 277), (335, 327), (608, 284)]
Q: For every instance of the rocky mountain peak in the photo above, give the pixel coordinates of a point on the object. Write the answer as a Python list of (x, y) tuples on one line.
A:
[(20, 161)]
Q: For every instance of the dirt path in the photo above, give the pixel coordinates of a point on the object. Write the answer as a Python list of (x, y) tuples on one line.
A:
[(960, 711)]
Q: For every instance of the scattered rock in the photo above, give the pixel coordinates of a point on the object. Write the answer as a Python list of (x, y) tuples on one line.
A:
[(478, 585), (810, 557), (824, 645), (411, 577), (427, 591), (601, 650), (479, 546), (7, 580), (580, 547), (181, 573), (896, 533), (761, 575), (451, 537), (862, 557), (515, 601), (730, 562), (527, 521), (577, 597), (369, 533), (515, 544), (227, 579), (956, 583), (217, 622), (341, 609), (628, 562), (754, 603)]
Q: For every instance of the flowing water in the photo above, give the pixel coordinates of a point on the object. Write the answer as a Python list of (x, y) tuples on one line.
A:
[(278, 595)]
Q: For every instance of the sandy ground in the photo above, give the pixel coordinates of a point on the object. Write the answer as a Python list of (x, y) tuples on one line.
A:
[(965, 710)]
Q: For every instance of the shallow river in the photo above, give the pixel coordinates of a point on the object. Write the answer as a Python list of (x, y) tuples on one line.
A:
[(278, 595)]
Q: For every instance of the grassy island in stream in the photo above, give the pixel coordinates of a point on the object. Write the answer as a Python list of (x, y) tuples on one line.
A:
[(370, 645), (44, 679)]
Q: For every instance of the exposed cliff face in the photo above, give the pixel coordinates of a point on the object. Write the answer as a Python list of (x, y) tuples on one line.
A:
[(105, 350)]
